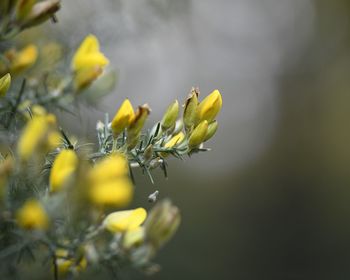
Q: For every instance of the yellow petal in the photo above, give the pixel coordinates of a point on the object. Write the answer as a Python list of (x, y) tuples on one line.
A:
[(209, 107), (122, 221), (31, 137), (175, 140), (123, 117), (116, 193), (110, 168), (88, 55), (63, 168), (198, 134)]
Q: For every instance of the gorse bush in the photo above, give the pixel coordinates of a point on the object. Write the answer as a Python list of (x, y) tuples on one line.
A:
[(64, 205)]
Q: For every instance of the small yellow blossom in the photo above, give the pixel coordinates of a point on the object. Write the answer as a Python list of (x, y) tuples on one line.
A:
[(63, 168), (123, 117), (117, 192), (198, 134), (24, 59), (88, 55), (32, 216), (109, 183), (65, 263), (209, 107), (38, 135), (170, 115), (5, 83), (88, 62), (122, 221), (111, 167)]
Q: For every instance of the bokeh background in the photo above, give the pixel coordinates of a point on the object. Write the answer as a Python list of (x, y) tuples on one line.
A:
[(272, 198)]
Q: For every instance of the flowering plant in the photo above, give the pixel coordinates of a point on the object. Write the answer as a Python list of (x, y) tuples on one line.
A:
[(61, 204)]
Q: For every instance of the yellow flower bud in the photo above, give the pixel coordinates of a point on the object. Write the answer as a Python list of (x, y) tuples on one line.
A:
[(209, 107), (64, 166), (122, 221), (23, 59), (117, 192), (32, 216), (190, 109), (88, 55), (23, 8), (41, 12), (122, 118), (5, 83), (212, 128), (137, 124), (162, 223), (65, 263), (170, 115), (198, 134)]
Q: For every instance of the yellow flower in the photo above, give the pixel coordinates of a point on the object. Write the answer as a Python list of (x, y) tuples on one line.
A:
[(122, 221), (117, 192), (209, 107), (23, 59), (63, 168), (123, 117), (38, 135), (109, 183), (170, 115), (111, 167), (65, 263), (198, 134), (88, 55), (5, 83), (32, 216), (88, 62)]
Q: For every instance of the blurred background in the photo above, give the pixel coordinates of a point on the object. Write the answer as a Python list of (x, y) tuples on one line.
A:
[(272, 198)]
